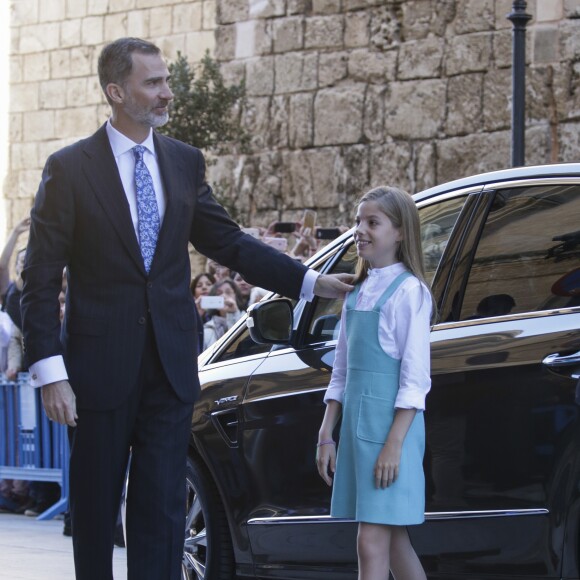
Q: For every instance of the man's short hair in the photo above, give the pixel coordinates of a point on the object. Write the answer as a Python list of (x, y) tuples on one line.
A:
[(116, 60)]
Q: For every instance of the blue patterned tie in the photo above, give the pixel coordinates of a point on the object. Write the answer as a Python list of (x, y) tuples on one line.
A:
[(148, 221)]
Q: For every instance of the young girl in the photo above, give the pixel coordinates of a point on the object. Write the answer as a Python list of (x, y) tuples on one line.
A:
[(379, 382)]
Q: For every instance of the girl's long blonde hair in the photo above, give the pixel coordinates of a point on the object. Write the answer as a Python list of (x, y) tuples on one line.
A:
[(400, 208)]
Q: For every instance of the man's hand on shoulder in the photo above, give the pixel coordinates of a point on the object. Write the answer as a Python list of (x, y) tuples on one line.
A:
[(333, 285), (60, 403)]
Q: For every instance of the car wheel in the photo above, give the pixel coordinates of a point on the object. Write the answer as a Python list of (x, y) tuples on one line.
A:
[(208, 549)]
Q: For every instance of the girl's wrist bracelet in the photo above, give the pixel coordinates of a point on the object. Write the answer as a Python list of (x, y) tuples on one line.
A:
[(327, 442)]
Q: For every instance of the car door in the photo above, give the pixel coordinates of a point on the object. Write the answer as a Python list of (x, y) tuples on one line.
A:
[(289, 525), (502, 416)]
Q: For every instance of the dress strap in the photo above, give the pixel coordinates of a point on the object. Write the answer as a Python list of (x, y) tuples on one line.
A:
[(352, 297), (391, 288)]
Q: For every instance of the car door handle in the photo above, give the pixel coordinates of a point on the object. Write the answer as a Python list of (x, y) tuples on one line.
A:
[(557, 361)]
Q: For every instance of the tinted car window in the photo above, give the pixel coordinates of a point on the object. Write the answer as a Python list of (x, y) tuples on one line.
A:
[(528, 257)]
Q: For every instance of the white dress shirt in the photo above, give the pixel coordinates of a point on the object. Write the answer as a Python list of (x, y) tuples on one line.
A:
[(404, 326), (52, 369)]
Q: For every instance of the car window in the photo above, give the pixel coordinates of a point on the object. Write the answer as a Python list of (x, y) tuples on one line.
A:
[(528, 257), (437, 221)]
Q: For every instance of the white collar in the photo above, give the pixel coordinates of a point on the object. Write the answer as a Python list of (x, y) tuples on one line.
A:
[(120, 143), (393, 269)]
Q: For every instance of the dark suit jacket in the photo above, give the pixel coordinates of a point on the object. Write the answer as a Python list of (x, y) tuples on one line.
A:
[(81, 220)]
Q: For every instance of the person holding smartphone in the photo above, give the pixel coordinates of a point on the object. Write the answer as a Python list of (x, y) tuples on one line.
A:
[(222, 315)]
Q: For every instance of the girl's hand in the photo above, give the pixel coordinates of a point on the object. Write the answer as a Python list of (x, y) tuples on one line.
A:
[(386, 468), (326, 461), (230, 305)]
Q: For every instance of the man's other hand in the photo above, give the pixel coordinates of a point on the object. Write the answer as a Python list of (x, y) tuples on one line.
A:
[(333, 285), (60, 403)]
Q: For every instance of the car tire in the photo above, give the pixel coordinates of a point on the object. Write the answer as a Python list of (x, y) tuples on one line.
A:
[(208, 551)]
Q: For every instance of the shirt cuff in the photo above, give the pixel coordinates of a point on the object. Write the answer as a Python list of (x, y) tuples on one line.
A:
[(307, 290), (48, 370)]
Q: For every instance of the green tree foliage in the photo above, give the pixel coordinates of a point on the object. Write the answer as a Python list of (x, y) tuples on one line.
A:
[(205, 112)]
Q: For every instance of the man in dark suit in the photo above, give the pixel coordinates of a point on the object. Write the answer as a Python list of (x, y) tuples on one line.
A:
[(123, 372)]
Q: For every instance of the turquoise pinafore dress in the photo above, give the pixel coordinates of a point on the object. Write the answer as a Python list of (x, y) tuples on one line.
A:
[(372, 382)]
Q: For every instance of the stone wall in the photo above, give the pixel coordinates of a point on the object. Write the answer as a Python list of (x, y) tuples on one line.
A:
[(342, 94)]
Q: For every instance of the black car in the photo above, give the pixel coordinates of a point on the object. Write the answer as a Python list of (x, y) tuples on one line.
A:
[(502, 461)]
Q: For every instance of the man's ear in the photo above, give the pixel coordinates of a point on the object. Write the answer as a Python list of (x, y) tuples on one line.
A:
[(115, 93)]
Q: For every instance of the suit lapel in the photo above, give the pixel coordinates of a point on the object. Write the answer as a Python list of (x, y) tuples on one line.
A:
[(103, 176)]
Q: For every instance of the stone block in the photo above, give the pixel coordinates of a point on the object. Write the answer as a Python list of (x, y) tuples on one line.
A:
[(385, 27), (233, 72), (230, 11), (81, 61), (301, 120), (60, 64), (417, 19), (569, 142), (266, 194), (277, 137), (266, 8), (52, 94), (296, 72), (502, 48), (572, 8), (546, 44), (468, 53), (372, 66), (160, 22), (76, 8), (172, 44), (348, 5), (539, 94), (98, 7), (421, 59), (209, 15), (296, 7), (425, 164), (15, 127), (92, 30), (539, 145), (354, 174), (357, 31), (415, 110), (76, 92), (471, 154), (332, 68), (93, 92), (474, 16), (374, 113), (288, 34), (23, 156), (70, 33), (38, 126), (198, 43), (260, 76), (255, 120), (50, 10), (464, 104), (16, 68), (153, 3), (39, 37), (187, 17), (390, 164), (253, 38), (115, 26), (24, 12), (566, 86), (138, 23), (225, 42), (24, 97), (338, 115), (502, 9), (325, 6), (121, 5), (497, 91), (324, 32), (569, 34), (75, 123), (549, 10)]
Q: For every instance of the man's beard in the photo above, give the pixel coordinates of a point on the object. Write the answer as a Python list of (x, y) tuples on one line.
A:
[(146, 117)]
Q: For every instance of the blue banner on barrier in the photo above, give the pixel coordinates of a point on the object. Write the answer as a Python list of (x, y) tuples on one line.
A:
[(32, 448)]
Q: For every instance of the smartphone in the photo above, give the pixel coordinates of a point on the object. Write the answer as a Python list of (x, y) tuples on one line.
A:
[(254, 232), (284, 227), (327, 233), (309, 219), (278, 243), (212, 302)]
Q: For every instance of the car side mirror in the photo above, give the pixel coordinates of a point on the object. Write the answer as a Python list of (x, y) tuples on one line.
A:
[(271, 322)]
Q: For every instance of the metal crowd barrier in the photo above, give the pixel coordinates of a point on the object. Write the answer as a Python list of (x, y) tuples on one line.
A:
[(32, 448)]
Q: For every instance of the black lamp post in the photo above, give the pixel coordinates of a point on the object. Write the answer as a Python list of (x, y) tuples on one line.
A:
[(519, 19)]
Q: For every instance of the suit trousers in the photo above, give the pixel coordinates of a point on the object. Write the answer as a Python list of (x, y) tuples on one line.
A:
[(154, 425)]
